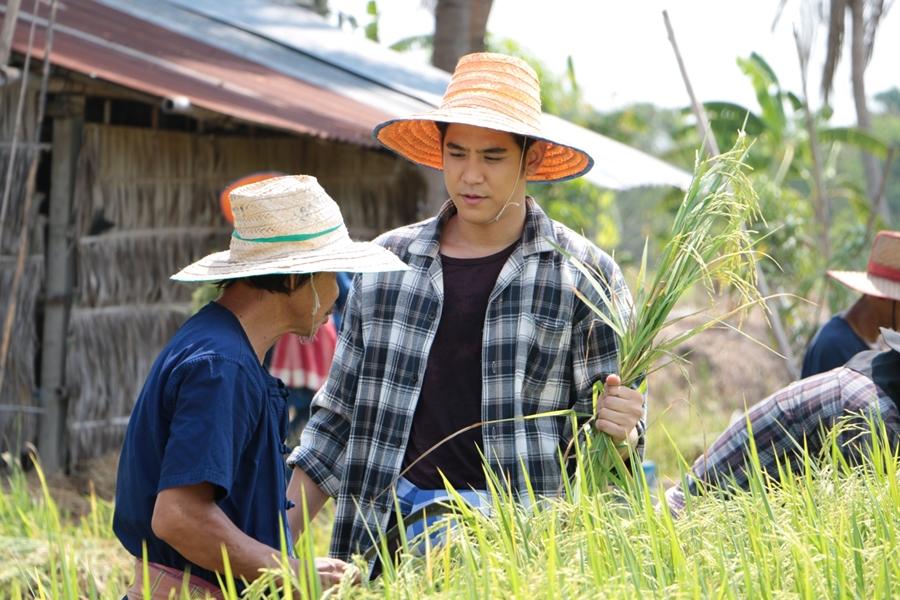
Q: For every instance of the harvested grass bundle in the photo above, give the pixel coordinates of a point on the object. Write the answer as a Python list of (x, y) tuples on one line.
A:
[(709, 247), (19, 383), (143, 178), (143, 261), (114, 349), (11, 217)]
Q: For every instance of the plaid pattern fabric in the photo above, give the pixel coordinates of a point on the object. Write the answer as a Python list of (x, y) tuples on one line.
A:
[(800, 412), (542, 351)]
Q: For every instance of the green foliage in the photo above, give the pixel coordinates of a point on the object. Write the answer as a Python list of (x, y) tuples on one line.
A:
[(829, 531), (784, 177), (374, 16), (584, 207)]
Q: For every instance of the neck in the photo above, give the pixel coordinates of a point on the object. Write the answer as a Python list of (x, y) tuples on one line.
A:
[(464, 239), (865, 318), (258, 314)]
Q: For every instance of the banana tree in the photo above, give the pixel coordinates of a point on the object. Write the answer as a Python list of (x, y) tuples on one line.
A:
[(815, 216)]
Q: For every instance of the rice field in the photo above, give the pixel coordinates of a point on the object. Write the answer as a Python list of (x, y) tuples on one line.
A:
[(831, 531)]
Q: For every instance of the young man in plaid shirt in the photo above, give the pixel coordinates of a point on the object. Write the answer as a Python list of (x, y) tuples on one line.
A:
[(484, 328)]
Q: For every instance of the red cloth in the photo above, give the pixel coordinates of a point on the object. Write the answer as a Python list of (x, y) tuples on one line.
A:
[(304, 364)]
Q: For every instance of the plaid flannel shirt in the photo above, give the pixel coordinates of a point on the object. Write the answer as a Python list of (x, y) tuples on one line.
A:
[(542, 351), (800, 413)]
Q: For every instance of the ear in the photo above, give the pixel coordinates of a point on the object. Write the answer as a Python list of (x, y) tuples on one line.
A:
[(534, 157)]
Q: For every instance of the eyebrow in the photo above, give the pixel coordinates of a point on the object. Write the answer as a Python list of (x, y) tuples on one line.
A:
[(495, 150)]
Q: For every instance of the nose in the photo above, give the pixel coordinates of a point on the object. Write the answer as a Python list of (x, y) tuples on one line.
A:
[(472, 173)]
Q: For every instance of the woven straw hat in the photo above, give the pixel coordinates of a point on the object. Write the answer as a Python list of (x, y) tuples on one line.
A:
[(288, 225), (488, 90), (882, 275)]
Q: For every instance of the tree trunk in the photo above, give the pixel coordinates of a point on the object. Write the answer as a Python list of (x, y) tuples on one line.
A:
[(858, 61), (459, 28)]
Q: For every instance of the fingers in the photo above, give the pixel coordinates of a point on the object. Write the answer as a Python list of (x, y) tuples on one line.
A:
[(331, 570), (617, 431), (619, 409)]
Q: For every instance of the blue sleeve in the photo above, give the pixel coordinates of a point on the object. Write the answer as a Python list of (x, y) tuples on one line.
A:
[(214, 409)]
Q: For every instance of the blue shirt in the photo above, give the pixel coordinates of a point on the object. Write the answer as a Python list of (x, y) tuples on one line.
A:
[(208, 412), (833, 345)]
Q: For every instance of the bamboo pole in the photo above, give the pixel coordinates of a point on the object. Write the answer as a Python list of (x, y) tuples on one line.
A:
[(9, 28), (29, 198), (67, 125), (713, 148)]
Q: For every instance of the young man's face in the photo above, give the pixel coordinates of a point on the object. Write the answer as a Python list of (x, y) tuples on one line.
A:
[(483, 169), (302, 300)]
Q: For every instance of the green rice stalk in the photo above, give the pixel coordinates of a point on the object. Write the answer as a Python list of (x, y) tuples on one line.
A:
[(710, 246)]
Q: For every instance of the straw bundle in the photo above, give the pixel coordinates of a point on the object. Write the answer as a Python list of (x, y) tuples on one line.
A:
[(144, 260), (115, 348), (19, 383), (11, 224)]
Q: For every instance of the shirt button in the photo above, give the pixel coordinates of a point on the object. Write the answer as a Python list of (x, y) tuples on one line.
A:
[(493, 367)]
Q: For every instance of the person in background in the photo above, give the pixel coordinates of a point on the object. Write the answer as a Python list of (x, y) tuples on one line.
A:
[(799, 416), (857, 328)]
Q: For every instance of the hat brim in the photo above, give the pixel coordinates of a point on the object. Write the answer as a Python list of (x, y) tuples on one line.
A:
[(418, 140), (868, 284), (349, 257)]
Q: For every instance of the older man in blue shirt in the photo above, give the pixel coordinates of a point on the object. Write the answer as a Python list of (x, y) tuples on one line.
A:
[(202, 466)]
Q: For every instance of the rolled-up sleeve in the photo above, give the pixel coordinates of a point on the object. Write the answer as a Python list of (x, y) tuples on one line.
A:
[(323, 443)]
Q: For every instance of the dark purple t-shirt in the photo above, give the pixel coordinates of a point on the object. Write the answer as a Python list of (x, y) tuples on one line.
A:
[(451, 391)]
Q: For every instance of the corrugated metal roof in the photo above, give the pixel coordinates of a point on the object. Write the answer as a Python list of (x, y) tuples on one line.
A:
[(103, 42)]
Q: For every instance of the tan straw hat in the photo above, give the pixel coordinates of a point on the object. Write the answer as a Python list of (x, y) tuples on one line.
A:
[(488, 90), (882, 275), (288, 225)]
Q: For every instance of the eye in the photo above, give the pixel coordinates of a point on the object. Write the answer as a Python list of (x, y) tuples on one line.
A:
[(493, 159), (457, 154)]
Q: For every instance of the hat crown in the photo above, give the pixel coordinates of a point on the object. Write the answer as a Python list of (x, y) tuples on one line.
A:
[(495, 84), (886, 252), (294, 207)]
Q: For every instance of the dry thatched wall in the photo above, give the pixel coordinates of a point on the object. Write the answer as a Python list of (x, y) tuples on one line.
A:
[(18, 419), (157, 191)]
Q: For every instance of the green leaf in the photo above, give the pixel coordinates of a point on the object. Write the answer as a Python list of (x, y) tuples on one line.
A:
[(853, 136)]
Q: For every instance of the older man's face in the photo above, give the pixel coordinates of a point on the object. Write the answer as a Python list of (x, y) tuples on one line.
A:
[(302, 301)]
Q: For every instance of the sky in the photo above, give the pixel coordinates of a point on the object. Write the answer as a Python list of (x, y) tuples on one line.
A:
[(622, 53)]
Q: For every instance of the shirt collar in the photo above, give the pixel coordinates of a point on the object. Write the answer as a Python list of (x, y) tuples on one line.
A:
[(538, 236)]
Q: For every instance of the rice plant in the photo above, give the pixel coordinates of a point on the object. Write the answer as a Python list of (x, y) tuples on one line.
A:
[(709, 247)]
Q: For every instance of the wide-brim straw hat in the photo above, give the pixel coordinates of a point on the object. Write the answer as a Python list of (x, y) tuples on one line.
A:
[(487, 90), (287, 225), (882, 275)]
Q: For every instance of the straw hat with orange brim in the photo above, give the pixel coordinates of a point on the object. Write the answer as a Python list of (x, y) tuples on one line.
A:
[(285, 225), (487, 90), (882, 275)]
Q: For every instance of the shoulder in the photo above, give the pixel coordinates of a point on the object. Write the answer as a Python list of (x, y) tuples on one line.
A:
[(212, 346), (398, 240)]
